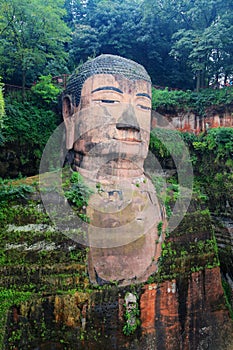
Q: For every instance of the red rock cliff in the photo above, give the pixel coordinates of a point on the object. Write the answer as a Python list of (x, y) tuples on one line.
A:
[(188, 313)]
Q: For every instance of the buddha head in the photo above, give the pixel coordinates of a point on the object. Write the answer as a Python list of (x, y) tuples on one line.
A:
[(107, 114)]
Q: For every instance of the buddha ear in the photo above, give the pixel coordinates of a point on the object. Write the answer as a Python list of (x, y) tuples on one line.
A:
[(69, 120)]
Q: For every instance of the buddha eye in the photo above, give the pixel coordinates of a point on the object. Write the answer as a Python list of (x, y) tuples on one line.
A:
[(146, 108), (109, 101), (106, 101)]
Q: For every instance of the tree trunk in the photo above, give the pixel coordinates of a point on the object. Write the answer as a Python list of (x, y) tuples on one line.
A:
[(225, 78), (203, 79), (198, 81), (23, 83)]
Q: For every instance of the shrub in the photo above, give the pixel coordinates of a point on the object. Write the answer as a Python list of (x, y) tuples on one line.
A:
[(166, 142), (169, 99), (46, 89), (79, 192), (27, 126), (191, 100)]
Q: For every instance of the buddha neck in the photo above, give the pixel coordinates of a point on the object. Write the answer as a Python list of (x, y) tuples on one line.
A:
[(100, 168)]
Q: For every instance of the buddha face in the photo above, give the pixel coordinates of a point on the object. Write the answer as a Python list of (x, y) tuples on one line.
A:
[(110, 129)]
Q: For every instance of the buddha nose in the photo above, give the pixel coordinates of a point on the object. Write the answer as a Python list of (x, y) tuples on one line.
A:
[(128, 120)]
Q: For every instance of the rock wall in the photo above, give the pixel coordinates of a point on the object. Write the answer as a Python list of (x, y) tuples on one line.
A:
[(182, 314), (191, 122), (187, 313), (182, 307), (13, 164)]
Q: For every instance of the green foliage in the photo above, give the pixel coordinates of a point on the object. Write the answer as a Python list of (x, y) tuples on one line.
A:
[(169, 99), (189, 100), (228, 295), (33, 35), (10, 191), (217, 143), (46, 89), (33, 122), (167, 193), (79, 192), (131, 316), (104, 27), (178, 42), (213, 160), (159, 184), (178, 258), (220, 141), (2, 112), (160, 228), (9, 297), (199, 102), (166, 142), (202, 39), (28, 125)]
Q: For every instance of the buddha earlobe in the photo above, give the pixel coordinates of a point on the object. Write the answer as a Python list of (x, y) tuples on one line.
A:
[(69, 120)]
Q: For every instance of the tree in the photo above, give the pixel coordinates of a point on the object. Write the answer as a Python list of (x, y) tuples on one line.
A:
[(106, 27), (200, 38), (32, 39), (176, 41), (157, 27)]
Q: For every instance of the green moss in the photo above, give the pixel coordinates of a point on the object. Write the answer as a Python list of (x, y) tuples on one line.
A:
[(8, 298), (189, 248), (228, 296)]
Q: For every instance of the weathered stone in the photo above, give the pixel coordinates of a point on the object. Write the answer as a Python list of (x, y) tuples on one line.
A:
[(107, 114), (192, 122)]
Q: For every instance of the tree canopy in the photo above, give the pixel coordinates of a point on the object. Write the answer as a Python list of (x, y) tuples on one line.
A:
[(32, 38), (183, 44)]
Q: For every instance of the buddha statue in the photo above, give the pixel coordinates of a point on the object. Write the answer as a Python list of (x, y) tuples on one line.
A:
[(107, 115)]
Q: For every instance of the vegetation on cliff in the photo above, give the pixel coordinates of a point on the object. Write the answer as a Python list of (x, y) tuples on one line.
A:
[(25, 128), (185, 45), (28, 122), (211, 154), (169, 101), (37, 260)]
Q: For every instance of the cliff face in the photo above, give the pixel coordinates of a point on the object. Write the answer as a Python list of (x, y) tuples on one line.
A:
[(52, 305), (188, 313), (191, 122)]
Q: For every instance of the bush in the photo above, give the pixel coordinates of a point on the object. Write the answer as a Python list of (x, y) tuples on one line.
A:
[(165, 143), (79, 192), (46, 89), (27, 127), (213, 155), (10, 191), (198, 102), (169, 99)]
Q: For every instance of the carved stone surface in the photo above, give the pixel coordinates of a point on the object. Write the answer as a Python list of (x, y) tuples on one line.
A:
[(107, 113)]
